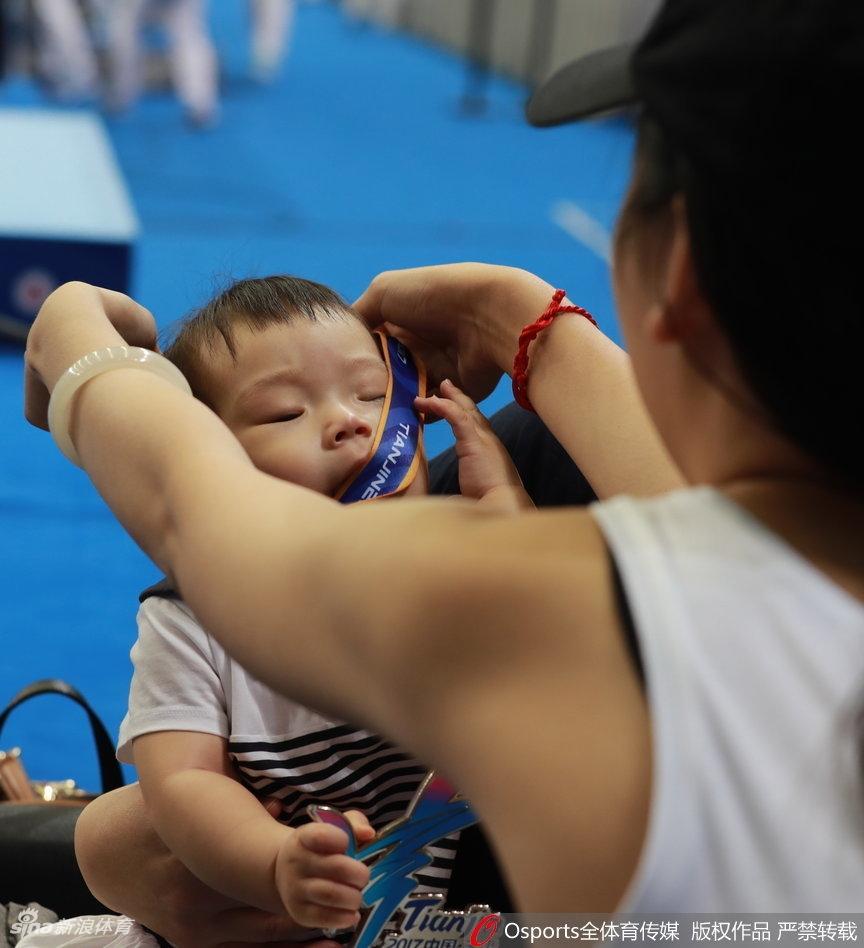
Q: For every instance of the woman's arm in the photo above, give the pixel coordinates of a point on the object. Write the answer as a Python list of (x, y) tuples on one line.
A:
[(489, 646), (465, 320), (583, 387)]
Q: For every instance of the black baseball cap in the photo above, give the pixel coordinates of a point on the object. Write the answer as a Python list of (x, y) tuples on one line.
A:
[(728, 81)]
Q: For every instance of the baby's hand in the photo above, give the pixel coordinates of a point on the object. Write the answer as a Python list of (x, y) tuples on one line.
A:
[(486, 472), (319, 885)]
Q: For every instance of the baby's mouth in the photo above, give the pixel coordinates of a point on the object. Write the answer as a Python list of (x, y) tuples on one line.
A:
[(353, 470)]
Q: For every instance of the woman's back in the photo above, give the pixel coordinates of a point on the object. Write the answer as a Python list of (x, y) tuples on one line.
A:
[(754, 665)]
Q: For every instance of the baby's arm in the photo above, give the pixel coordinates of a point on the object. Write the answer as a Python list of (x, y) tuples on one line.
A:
[(220, 831), (486, 472)]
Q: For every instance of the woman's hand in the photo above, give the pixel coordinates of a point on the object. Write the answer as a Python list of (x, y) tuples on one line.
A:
[(463, 320), (76, 319)]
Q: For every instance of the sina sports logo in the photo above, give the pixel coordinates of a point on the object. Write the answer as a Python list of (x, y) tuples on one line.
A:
[(26, 922)]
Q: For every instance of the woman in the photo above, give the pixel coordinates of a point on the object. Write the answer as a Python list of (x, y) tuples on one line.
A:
[(499, 649)]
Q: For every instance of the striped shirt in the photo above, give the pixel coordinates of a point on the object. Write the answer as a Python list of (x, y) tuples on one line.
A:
[(184, 681)]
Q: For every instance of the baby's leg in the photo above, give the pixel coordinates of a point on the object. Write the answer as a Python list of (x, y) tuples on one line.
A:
[(124, 863), (129, 869)]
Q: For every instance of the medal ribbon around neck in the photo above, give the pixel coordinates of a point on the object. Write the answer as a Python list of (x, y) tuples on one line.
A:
[(395, 456)]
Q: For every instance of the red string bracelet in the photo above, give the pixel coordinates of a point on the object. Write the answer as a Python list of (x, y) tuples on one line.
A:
[(528, 334)]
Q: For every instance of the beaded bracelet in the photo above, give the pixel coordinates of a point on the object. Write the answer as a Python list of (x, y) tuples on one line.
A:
[(88, 367), (528, 334)]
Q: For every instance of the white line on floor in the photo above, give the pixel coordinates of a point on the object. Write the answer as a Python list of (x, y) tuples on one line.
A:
[(583, 227)]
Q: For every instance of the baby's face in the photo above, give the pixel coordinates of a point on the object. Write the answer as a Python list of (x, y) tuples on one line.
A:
[(304, 399)]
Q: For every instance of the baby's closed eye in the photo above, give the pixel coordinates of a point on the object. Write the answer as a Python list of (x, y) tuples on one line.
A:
[(281, 416)]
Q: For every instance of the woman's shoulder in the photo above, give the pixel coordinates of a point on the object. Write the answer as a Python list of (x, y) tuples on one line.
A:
[(753, 667), (738, 545)]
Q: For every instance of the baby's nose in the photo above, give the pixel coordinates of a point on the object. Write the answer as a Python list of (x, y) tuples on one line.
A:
[(345, 427)]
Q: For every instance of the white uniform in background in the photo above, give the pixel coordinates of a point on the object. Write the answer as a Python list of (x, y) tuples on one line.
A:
[(192, 55), (272, 28), (65, 50), (383, 12)]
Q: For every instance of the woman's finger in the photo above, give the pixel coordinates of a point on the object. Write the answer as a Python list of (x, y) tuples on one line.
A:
[(133, 321), (393, 295), (368, 305), (36, 398), (438, 362)]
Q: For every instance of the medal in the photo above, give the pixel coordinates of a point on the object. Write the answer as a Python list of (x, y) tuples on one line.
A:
[(395, 456), (399, 850)]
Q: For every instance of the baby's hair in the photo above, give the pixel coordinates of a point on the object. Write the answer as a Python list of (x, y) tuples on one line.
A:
[(256, 304)]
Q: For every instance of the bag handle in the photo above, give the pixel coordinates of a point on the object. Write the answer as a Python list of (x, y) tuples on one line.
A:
[(109, 767)]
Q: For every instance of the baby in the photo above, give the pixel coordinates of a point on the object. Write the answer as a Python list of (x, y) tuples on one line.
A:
[(301, 382)]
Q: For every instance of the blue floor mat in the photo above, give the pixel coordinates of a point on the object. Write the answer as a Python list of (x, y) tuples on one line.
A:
[(357, 159)]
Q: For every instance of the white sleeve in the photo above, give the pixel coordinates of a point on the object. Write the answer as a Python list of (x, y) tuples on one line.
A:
[(175, 684)]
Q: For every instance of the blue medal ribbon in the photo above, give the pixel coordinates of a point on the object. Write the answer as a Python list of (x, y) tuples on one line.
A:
[(395, 457)]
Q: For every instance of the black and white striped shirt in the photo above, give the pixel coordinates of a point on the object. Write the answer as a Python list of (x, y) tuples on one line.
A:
[(184, 681)]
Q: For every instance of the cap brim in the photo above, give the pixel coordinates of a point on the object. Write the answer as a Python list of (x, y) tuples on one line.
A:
[(596, 83)]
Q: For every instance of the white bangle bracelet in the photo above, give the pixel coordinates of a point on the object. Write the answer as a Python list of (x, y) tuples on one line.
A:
[(88, 367)]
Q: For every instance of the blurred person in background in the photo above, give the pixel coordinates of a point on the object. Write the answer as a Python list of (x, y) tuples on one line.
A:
[(192, 55), (16, 22), (272, 28), (383, 12), (65, 56)]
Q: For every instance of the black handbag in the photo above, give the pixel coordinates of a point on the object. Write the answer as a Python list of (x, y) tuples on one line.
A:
[(37, 854)]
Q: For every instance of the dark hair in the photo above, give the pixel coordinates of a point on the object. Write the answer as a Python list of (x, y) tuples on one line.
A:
[(256, 304), (790, 307)]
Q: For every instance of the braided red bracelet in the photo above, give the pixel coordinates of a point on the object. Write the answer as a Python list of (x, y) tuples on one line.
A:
[(530, 332)]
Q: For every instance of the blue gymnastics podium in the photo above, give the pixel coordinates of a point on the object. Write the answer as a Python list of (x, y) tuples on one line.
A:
[(65, 213)]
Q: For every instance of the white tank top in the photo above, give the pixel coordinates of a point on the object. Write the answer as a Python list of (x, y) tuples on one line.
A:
[(754, 665)]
